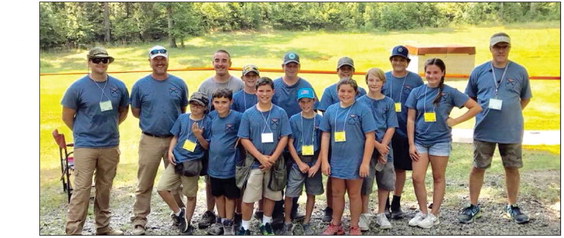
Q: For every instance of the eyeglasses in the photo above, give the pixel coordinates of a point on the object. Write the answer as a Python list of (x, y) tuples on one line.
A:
[(157, 51), (98, 60)]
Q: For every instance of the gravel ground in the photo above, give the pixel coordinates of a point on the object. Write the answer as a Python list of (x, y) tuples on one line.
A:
[(544, 218)]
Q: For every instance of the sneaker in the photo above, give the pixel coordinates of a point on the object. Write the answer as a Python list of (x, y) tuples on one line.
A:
[(328, 214), (382, 221), (418, 218), (110, 232), (429, 221), (228, 228), (215, 229), (138, 230), (266, 229), (287, 229), (396, 214), (207, 220), (364, 222), (180, 220), (189, 230), (355, 231), (514, 212), (334, 230), (259, 215), (243, 232), (175, 221), (308, 229), (469, 214)]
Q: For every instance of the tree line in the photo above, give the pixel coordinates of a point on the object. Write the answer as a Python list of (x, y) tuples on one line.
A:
[(79, 24)]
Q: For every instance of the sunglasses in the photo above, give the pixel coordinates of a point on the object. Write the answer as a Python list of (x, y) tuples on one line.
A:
[(98, 60), (157, 51)]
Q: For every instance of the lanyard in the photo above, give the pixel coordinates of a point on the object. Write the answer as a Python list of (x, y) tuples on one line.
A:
[(425, 100), (103, 93), (265, 119), (312, 131), (502, 76), (347, 116), (402, 85)]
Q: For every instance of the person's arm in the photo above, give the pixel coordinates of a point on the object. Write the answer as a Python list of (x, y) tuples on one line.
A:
[(367, 155), (473, 109), (122, 113), (198, 132), (248, 144), (324, 154), (68, 116), (279, 148), (411, 134), (171, 158), (303, 166), (524, 103), (136, 111)]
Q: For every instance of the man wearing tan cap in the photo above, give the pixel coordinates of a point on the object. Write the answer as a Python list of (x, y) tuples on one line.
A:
[(502, 88), (93, 108)]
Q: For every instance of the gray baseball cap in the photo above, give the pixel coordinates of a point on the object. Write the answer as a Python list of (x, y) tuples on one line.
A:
[(345, 61)]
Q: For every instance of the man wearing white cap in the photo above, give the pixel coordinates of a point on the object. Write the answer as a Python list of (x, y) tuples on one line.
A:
[(502, 88), (157, 100)]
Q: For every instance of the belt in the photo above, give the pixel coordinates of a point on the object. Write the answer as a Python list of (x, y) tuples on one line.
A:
[(149, 134)]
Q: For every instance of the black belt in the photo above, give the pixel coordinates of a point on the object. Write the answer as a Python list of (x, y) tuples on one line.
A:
[(149, 134)]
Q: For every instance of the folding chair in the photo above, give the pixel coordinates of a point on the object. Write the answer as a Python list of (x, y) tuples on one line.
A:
[(67, 162)]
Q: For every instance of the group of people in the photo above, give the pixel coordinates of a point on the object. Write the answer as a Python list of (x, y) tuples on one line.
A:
[(258, 140)]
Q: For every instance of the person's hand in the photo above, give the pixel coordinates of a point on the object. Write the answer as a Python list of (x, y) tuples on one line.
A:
[(364, 168), (450, 122), (197, 130), (413, 153), (313, 170), (383, 149), (303, 167), (265, 162), (326, 168), (171, 158), (382, 159)]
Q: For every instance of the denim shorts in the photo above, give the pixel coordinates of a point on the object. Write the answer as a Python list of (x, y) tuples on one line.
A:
[(437, 149)]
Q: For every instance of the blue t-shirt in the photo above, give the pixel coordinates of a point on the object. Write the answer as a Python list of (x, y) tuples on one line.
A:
[(93, 128), (384, 114), (286, 96), (304, 131), (254, 123), (223, 154), (355, 120), (160, 102), (182, 129), (398, 89), (421, 99), (331, 97), (243, 101), (505, 125)]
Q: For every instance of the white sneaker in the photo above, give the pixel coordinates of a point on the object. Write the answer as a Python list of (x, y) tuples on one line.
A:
[(364, 222), (382, 221), (418, 218), (429, 221)]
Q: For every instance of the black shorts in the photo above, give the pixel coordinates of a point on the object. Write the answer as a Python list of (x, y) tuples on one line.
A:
[(400, 146), (224, 187)]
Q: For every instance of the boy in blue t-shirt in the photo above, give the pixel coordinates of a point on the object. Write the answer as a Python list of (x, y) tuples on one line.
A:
[(304, 147), (382, 158), (191, 133), (264, 131), (222, 159), (246, 98)]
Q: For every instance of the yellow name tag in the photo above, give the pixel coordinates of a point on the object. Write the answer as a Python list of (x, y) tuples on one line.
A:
[(307, 149), (340, 136), (189, 145), (398, 106), (430, 117)]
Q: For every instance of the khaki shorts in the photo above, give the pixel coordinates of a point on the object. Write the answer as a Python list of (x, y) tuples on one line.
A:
[(511, 154), (170, 181), (257, 187)]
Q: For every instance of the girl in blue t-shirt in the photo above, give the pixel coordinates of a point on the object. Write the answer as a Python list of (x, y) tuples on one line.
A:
[(349, 127), (429, 134)]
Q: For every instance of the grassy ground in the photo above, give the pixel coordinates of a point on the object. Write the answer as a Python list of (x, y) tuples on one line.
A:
[(536, 47)]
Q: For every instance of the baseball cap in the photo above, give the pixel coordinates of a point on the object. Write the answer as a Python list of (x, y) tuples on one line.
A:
[(500, 37), (250, 68), (345, 61), (199, 98), (158, 51), (99, 52), (400, 50), (291, 57), (305, 93)]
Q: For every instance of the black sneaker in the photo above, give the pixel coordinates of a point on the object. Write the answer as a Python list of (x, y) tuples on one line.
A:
[(215, 229), (287, 229), (243, 232), (228, 228), (180, 220), (207, 219), (469, 214), (328, 214), (266, 230), (175, 221), (189, 230), (514, 212), (259, 215), (396, 214)]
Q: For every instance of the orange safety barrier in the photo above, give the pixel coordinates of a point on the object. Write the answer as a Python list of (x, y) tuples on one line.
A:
[(302, 71)]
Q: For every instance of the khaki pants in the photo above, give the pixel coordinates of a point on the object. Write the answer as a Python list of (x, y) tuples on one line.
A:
[(151, 151), (87, 160)]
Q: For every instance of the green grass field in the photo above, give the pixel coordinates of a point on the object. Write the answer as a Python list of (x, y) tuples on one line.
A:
[(535, 47)]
